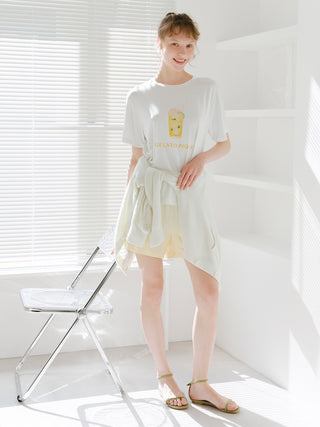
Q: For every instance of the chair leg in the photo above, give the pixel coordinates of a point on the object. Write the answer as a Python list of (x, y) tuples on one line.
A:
[(28, 351), (108, 364), (42, 330), (22, 396)]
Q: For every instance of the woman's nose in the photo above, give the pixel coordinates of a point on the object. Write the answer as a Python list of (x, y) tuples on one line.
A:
[(182, 50)]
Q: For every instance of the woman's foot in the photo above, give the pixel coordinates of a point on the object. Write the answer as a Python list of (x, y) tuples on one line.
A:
[(203, 391), (168, 386)]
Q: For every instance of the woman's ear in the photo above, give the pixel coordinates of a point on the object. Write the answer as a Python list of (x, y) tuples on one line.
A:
[(159, 43)]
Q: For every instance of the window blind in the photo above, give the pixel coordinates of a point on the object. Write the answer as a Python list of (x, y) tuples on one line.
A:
[(65, 70)]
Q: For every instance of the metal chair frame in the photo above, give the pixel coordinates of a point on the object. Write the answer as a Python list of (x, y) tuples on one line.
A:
[(81, 315)]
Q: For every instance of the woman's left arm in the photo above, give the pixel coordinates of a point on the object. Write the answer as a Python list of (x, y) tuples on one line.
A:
[(193, 169)]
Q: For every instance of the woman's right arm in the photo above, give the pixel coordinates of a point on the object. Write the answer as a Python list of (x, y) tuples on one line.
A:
[(137, 152)]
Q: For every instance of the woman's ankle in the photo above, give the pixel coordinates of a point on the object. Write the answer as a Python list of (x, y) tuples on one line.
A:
[(162, 372)]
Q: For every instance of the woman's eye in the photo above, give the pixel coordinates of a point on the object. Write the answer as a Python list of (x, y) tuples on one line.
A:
[(189, 45)]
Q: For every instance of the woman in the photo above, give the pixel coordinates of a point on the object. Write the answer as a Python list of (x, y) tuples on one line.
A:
[(167, 209)]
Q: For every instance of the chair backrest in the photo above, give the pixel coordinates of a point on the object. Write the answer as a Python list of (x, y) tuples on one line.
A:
[(106, 245), (107, 240)]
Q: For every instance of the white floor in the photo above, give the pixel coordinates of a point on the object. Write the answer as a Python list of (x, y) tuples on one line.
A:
[(77, 391)]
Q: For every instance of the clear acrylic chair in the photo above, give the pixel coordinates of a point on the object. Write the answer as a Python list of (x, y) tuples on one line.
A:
[(78, 303)]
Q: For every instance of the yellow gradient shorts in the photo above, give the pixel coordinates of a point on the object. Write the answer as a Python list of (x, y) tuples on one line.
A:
[(172, 246)]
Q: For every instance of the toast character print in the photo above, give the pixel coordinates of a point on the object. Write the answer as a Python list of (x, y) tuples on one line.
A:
[(175, 118)]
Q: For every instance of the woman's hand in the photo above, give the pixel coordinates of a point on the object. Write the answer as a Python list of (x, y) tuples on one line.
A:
[(191, 171)]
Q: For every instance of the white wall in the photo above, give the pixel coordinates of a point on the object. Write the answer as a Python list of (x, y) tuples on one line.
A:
[(273, 322), (304, 333)]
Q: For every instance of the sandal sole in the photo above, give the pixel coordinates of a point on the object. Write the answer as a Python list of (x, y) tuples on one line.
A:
[(177, 407), (206, 402)]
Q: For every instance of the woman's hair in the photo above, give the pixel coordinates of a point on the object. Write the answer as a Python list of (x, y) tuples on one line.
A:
[(175, 23)]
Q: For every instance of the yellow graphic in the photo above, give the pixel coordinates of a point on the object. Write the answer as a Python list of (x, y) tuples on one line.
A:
[(175, 122)]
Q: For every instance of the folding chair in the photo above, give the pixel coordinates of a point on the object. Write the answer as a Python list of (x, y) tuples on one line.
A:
[(69, 301)]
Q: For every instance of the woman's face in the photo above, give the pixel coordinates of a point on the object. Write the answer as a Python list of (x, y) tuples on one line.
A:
[(177, 50)]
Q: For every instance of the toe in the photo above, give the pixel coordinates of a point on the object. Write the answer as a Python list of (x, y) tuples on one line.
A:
[(232, 405)]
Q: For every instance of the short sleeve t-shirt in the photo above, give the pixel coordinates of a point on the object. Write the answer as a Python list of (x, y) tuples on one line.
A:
[(171, 122)]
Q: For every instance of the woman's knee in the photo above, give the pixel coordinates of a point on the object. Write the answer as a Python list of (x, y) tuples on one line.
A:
[(207, 294), (205, 286), (151, 295)]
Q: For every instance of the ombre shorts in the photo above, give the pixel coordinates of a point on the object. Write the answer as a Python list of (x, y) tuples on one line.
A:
[(172, 246)]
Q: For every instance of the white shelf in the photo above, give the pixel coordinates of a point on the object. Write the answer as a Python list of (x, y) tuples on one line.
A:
[(255, 181), (259, 242), (261, 40), (271, 112), (282, 187)]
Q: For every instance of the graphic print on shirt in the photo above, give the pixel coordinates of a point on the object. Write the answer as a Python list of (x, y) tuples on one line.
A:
[(175, 118)]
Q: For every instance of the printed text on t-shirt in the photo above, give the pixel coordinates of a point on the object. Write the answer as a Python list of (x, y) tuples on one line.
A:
[(172, 145)]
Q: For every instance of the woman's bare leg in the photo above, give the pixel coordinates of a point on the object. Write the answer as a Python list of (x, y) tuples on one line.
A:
[(206, 293), (152, 287)]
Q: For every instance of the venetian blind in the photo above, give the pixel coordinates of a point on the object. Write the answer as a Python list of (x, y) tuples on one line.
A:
[(65, 69)]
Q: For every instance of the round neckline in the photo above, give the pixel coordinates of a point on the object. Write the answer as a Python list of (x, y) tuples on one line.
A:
[(167, 85)]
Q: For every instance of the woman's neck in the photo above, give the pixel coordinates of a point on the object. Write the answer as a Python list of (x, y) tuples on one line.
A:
[(172, 79)]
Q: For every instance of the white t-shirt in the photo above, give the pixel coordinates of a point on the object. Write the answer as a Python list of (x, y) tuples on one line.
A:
[(171, 122)]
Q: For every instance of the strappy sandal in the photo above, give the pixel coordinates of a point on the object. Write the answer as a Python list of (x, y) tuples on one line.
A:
[(166, 397), (206, 402)]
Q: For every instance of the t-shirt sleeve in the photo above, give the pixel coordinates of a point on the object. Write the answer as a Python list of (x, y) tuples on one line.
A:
[(132, 128), (217, 125)]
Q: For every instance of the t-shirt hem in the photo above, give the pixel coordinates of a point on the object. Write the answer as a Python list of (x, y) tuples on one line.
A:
[(220, 139), (128, 141)]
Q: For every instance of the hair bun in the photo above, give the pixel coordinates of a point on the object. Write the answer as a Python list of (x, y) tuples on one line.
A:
[(170, 13)]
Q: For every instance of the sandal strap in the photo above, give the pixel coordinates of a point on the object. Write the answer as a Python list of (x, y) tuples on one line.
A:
[(175, 397), (169, 395), (166, 375), (226, 407), (197, 381)]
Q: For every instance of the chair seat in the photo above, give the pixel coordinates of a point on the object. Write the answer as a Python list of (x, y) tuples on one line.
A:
[(63, 300)]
